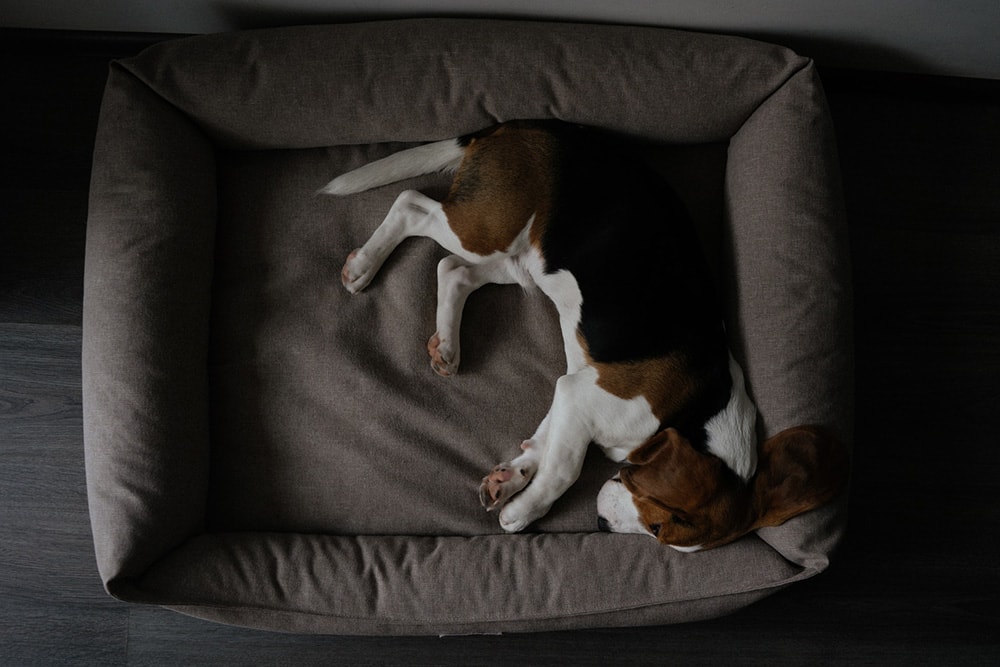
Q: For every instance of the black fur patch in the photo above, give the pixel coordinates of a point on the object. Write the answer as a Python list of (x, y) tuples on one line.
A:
[(647, 291), (627, 238)]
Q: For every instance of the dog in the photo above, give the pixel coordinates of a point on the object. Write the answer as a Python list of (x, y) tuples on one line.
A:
[(649, 375)]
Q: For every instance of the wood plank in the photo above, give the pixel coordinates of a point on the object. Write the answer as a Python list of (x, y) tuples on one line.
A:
[(41, 256), (39, 631), (53, 608), (52, 96)]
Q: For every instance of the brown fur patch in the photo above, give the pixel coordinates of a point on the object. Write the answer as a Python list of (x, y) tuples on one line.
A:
[(504, 179), (664, 381)]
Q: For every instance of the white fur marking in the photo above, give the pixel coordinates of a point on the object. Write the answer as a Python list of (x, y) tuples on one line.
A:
[(561, 287), (731, 432), (616, 506), (437, 156)]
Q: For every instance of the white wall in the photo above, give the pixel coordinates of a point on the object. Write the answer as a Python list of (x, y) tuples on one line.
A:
[(952, 37)]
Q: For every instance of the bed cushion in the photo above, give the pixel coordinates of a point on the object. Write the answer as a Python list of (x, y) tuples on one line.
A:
[(265, 449)]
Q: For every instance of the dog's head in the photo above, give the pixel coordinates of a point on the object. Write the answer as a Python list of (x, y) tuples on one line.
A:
[(692, 501)]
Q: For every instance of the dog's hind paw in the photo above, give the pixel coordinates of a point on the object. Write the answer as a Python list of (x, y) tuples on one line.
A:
[(358, 271), (444, 360)]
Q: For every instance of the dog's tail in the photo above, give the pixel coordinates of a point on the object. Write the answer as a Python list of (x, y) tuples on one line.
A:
[(443, 155)]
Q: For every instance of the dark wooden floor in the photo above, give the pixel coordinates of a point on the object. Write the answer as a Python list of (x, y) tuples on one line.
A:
[(917, 583)]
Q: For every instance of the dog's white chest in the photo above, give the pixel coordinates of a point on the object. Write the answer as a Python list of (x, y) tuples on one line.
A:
[(620, 425)]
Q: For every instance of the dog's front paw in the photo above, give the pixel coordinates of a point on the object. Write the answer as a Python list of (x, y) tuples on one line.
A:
[(444, 359), (358, 271), (520, 513), (503, 482)]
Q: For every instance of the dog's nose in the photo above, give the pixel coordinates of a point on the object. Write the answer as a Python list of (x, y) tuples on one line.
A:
[(602, 524)]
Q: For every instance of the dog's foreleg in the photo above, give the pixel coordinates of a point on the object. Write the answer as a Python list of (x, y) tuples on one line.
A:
[(509, 478), (562, 448), (457, 279), (561, 287)]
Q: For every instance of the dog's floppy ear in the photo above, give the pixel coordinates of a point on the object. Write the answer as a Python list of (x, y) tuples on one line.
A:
[(648, 450), (669, 472), (799, 469)]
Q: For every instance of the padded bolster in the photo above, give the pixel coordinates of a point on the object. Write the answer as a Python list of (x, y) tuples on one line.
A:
[(786, 221), (147, 289), (455, 585), (791, 287), (329, 85)]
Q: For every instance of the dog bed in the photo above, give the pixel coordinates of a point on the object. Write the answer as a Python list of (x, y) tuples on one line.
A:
[(265, 449)]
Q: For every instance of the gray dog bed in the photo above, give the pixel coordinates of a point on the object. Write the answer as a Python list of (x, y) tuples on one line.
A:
[(265, 449)]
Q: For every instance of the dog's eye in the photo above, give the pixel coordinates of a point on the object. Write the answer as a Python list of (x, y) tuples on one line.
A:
[(654, 528), (679, 521)]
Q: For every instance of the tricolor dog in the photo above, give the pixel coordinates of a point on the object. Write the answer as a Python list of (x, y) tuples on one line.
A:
[(649, 376)]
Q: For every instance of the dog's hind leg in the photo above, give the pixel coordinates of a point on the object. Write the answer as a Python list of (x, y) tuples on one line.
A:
[(412, 214), (457, 279)]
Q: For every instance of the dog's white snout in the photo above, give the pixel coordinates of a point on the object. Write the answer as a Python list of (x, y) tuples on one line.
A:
[(616, 512)]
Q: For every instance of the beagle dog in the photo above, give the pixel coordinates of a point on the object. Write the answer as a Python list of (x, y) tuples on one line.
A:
[(649, 376)]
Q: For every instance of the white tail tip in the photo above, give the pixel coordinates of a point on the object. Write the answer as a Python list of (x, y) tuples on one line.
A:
[(426, 159)]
